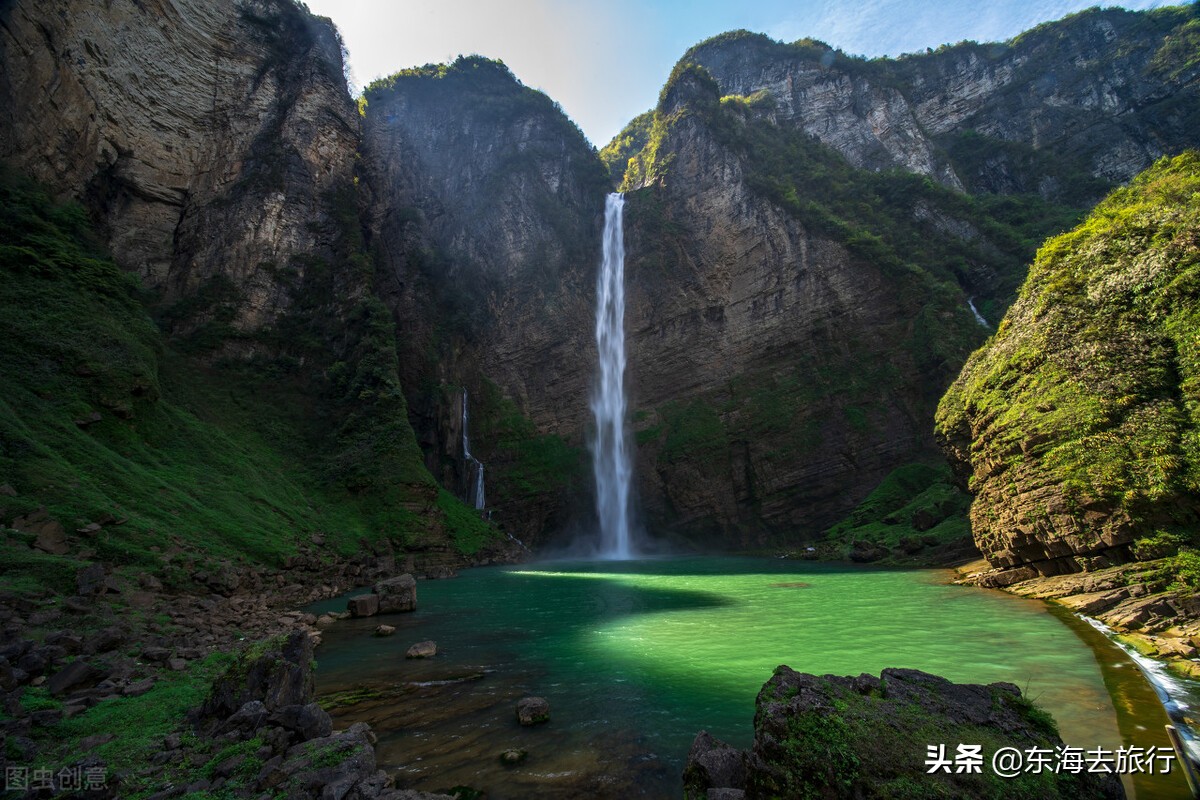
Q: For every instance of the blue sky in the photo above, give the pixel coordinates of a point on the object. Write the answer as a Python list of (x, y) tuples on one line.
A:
[(605, 62)]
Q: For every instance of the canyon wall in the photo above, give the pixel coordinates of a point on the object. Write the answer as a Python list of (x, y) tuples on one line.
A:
[(1075, 427)]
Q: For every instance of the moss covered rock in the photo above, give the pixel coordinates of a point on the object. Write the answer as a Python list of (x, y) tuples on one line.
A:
[(867, 737), (1077, 426)]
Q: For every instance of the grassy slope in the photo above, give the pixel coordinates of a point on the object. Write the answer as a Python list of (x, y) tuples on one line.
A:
[(232, 462)]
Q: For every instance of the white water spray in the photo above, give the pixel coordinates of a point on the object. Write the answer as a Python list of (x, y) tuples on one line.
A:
[(475, 496), (611, 462)]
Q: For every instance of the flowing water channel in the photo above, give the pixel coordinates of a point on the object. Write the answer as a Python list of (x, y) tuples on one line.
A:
[(635, 657)]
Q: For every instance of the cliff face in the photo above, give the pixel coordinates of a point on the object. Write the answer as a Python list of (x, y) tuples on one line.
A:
[(806, 231), (780, 366), (1076, 425), (1102, 93), (486, 213), (215, 146), (207, 138)]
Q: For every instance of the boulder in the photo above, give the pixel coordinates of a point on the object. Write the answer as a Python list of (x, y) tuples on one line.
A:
[(426, 649), (308, 721), (364, 605), (712, 764), (247, 719), (397, 594), (384, 630), (533, 710), (868, 737), (278, 673), (74, 675)]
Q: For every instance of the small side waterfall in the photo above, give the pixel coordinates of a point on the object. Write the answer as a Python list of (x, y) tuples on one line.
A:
[(978, 317), (475, 496), (611, 462)]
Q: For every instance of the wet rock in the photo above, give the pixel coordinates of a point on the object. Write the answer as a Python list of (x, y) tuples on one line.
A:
[(384, 630), (713, 764), (511, 757), (364, 605), (397, 594), (426, 649), (325, 620), (533, 710)]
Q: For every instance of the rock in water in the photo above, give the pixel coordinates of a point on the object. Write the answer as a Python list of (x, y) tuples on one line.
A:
[(397, 594), (510, 757), (363, 605), (422, 650), (533, 710), (382, 630), (868, 737)]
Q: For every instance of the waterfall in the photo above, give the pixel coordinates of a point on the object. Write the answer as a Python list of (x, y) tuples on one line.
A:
[(475, 496), (978, 317), (611, 462)]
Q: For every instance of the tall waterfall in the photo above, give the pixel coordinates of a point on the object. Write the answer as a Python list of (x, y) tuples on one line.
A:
[(475, 496), (611, 461)]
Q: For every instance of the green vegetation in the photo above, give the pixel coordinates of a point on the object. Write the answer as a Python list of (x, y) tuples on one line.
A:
[(1092, 382), (522, 463), (233, 461), (915, 507), (139, 723)]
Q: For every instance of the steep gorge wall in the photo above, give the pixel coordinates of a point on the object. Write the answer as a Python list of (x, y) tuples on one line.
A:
[(486, 211), (1077, 427), (779, 370), (207, 138), (216, 146)]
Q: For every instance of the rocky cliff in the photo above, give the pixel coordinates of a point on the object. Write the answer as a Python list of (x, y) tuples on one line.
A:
[(242, 397), (486, 211), (1060, 110), (1075, 427), (207, 138), (804, 256)]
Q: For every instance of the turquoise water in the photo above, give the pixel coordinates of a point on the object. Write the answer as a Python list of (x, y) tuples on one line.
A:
[(636, 657)]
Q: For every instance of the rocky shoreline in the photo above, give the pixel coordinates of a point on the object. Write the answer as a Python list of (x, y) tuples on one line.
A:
[(122, 652), (1138, 601)]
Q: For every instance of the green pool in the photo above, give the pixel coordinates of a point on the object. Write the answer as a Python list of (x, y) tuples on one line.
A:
[(636, 657)]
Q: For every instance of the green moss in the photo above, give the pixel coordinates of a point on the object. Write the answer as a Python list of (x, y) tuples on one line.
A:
[(468, 531), (912, 494), (522, 463), (1091, 383)]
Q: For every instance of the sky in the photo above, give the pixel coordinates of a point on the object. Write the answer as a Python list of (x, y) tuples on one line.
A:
[(605, 62)]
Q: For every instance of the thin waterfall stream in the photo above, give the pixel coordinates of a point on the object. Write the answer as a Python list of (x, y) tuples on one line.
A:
[(475, 495), (611, 459)]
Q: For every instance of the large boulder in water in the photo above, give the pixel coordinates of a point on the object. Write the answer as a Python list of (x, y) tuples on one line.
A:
[(868, 737), (397, 594)]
